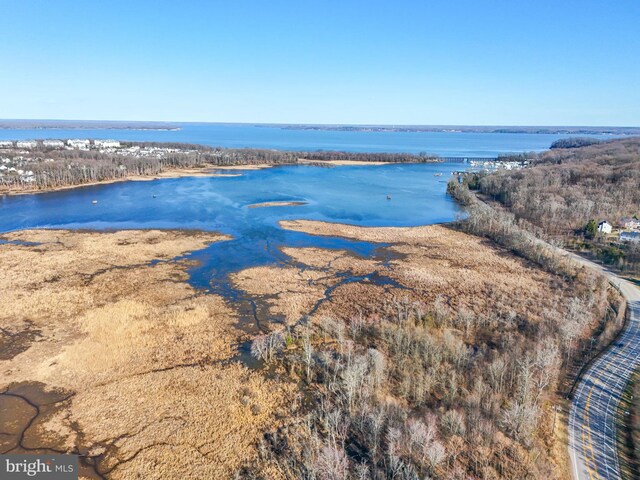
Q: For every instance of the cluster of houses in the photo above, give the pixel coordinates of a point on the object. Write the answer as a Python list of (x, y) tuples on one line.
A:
[(102, 146), (71, 144), (20, 156), (491, 165), (9, 166), (629, 229)]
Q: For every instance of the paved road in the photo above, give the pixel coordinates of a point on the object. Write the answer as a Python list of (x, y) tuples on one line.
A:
[(592, 426)]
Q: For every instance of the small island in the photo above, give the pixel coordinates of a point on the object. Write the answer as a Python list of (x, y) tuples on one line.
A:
[(277, 204)]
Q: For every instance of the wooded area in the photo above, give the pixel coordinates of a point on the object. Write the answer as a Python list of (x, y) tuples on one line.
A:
[(565, 188), (54, 168)]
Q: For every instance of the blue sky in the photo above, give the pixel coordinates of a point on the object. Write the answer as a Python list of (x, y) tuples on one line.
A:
[(379, 62)]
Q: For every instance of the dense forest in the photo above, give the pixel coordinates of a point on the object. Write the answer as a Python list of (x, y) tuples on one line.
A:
[(574, 142), (53, 168), (566, 188)]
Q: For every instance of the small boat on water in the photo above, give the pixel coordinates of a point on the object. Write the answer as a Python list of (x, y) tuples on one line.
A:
[(388, 197), (94, 201), (437, 174)]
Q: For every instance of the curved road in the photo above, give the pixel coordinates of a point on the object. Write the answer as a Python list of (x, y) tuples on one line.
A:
[(592, 421)]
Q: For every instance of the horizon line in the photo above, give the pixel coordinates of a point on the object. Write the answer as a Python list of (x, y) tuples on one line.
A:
[(400, 125)]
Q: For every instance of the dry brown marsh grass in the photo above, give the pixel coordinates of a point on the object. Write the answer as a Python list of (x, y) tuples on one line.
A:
[(143, 356), (429, 261)]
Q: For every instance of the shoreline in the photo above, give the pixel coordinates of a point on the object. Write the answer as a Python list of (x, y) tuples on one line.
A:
[(257, 166), (173, 173), (208, 171), (340, 163)]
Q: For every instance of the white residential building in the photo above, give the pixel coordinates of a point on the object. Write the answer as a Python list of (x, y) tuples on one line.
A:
[(604, 227), (6, 144), (78, 143), (27, 144), (53, 143), (106, 143)]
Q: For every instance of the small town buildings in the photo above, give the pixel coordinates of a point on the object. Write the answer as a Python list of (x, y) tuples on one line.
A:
[(630, 223), (53, 143), (78, 143), (27, 144), (6, 144), (604, 227), (106, 143), (630, 237)]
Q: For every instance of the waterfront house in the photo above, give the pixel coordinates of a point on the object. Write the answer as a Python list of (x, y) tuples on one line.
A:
[(630, 223), (53, 143), (604, 227), (6, 144), (630, 237)]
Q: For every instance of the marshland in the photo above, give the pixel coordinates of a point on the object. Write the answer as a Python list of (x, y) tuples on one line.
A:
[(367, 327)]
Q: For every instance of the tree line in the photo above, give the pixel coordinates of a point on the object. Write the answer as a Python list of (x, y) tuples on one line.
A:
[(59, 168)]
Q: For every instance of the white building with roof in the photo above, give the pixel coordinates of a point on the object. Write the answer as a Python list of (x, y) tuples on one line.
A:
[(27, 144), (53, 143), (82, 144), (106, 143), (6, 144), (604, 227)]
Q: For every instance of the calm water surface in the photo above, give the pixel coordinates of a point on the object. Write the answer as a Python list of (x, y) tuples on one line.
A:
[(351, 194), (446, 144)]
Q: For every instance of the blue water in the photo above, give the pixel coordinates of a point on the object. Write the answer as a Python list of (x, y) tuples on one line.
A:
[(351, 194), (446, 144)]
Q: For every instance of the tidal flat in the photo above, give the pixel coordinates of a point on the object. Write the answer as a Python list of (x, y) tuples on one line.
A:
[(116, 356)]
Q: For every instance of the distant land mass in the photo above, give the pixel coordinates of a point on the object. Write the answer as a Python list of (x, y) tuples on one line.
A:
[(8, 124), (468, 129), (12, 124)]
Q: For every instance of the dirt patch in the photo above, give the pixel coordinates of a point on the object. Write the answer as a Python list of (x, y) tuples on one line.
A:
[(13, 343)]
